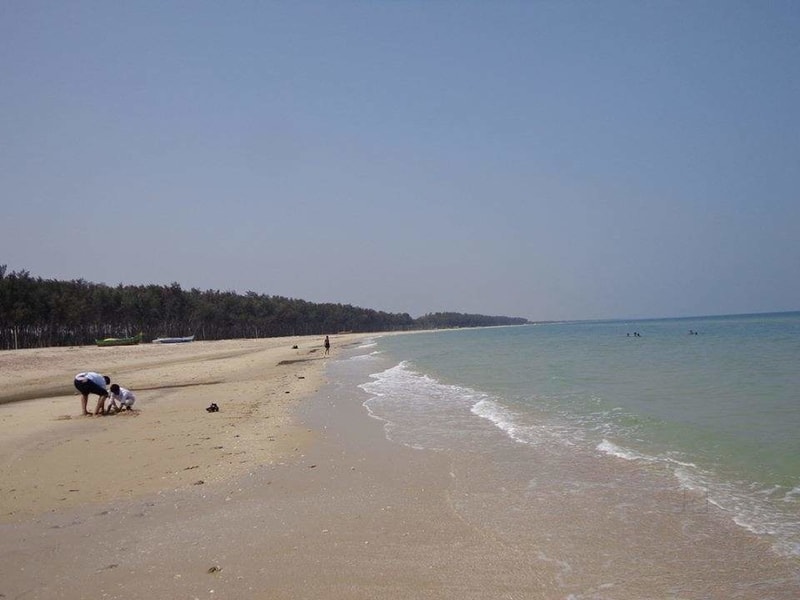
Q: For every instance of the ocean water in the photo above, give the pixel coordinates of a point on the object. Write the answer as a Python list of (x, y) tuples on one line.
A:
[(711, 419)]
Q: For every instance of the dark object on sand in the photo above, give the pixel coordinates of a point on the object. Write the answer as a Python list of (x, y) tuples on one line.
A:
[(213, 408)]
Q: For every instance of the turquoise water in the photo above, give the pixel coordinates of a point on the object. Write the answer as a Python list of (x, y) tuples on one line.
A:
[(720, 409)]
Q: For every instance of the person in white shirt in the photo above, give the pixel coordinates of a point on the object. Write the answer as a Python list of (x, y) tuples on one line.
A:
[(92, 383), (122, 397)]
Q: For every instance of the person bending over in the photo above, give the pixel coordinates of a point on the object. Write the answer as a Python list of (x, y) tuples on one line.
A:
[(92, 383)]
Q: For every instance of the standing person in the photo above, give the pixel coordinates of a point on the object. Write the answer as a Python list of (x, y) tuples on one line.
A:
[(92, 383), (327, 345), (122, 396)]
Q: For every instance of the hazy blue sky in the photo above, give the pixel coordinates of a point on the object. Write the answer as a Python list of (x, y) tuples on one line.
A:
[(551, 160)]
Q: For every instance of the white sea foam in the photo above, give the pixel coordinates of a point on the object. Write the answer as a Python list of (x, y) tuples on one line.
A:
[(690, 480), (792, 495), (404, 383), (422, 412), (612, 449), (370, 356), (418, 410), (514, 426), (500, 416), (748, 511)]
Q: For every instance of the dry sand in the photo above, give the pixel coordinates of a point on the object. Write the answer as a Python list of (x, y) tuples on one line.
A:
[(52, 457)]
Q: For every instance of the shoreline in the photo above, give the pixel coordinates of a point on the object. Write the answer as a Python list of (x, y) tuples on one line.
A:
[(332, 509), (343, 514)]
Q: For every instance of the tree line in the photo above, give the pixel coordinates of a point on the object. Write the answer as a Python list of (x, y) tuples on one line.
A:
[(36, 312)]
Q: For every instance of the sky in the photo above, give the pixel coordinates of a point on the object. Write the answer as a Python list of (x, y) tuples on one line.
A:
[(539, 159)]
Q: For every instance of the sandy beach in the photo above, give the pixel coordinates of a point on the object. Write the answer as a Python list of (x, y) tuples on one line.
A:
[(293, 491), (290, 491), (54, 458), (57, 466)]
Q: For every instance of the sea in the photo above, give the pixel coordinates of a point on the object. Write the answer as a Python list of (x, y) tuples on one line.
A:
[(699, 413)]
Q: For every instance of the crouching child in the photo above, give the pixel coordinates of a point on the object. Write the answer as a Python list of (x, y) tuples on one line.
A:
[(121, 398)]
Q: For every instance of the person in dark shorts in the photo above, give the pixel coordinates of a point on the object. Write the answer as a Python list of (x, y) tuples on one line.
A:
[(92, 383), (327, 345)]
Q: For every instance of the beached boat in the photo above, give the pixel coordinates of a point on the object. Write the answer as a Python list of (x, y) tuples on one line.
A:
[(125, 341), (174, 340)]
